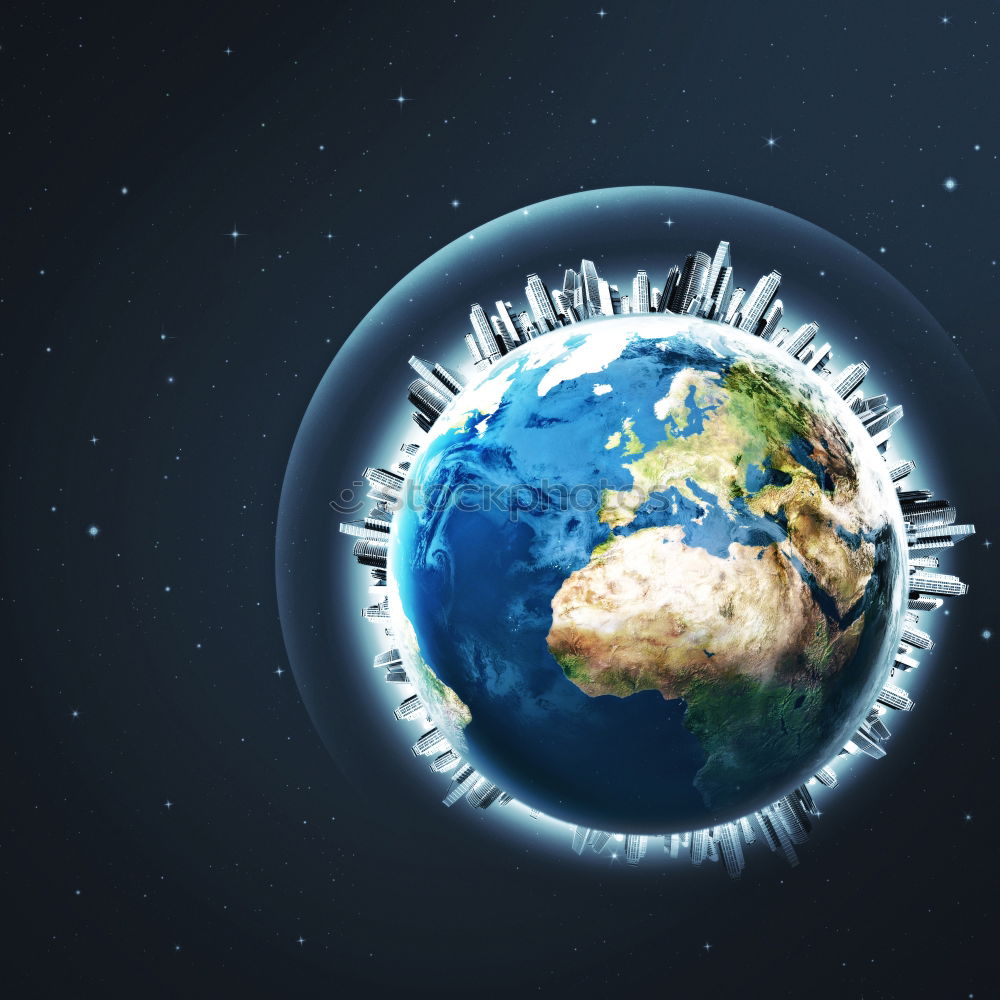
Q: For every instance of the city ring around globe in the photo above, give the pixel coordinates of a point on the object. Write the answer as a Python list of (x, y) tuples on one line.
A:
[(647, 574)]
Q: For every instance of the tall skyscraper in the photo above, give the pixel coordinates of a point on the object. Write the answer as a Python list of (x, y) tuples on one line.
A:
[(827, 776), (640, 293), (635, 848), (733, 309), (426, 399), (669, 286), (691, 284), (768, 325), (590, 288), (507, 322), (410, 708), (936, 583), (540, 303), (801, 339), (462, 781), (895, 697), (731, 848), (717, 306), (758, 301), (604, 304), (850, 378), (474, 348), (483, 331), (720, 260), (432, 741), (445, 761)]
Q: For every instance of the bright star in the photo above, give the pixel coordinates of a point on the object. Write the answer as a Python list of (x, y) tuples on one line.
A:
[(949, 184), (669, 222), (945, 19), (772, 141), (967, 817), (987, 634), (93, 531), (454, 203), (74, 714), (168, 804), (707, 946), (228, 51), (602, 13), (401, 100), (279, 671), (124, 190), (301, 940), (987, 544), (93, 440), (170, 380)]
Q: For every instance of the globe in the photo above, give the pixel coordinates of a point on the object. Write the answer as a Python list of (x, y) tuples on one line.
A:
[(649, 573)]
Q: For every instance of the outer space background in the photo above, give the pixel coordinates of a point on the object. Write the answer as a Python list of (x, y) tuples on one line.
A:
[(173, 824)]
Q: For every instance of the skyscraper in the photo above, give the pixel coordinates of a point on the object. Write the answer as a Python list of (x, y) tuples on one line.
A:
[(936, 583), (590, 287), (428, 400), (635, 848), (410, 708), (540, 303), (801, 339), (691, 284), (731, 848), (483, 331), (639, 302), (430, 742), (895, 697), (720, 261), (669, 286), (758, 301), (768, 325), (445, 761), (733, 309), (850, 378)]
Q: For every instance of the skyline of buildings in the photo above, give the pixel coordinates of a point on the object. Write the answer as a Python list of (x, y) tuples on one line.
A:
[(704, 286)]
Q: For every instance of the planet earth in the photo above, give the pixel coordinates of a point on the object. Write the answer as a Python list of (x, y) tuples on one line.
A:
[(648, 574)]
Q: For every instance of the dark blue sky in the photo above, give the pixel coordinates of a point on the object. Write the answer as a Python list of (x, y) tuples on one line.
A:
[(173, 823)]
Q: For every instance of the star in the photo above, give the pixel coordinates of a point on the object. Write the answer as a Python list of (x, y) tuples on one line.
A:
[(593, 121), (401, 100), (668, 222), (301, 940), (168, 804), (454, 203), (987, 544), (949, 184), (707, 946), (771, 142), (235, 234), (279, 671), (93, 440), (124, 190), (228, 51), (945, 19), (602, 13), (967, 817), (986, 634), (74, 714), (93, 531)]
